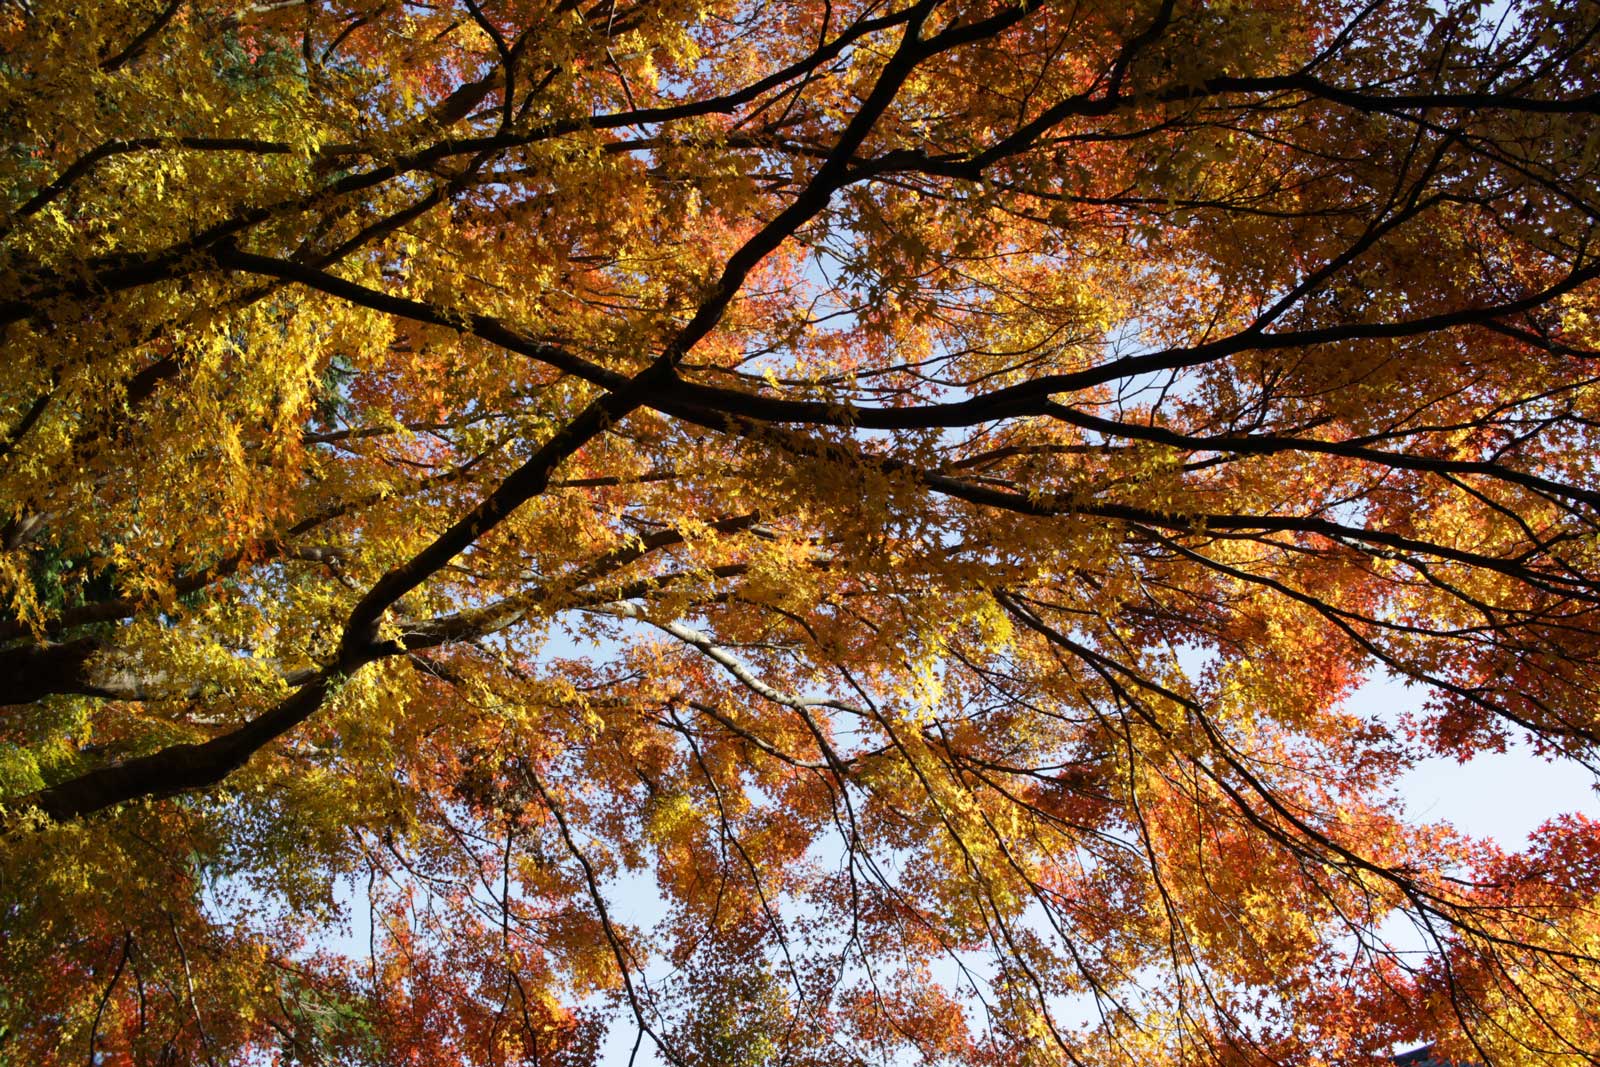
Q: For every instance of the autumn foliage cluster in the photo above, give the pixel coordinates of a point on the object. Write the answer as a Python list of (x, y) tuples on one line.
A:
[(809, 533)]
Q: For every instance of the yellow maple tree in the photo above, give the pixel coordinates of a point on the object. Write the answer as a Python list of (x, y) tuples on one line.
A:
[(811, 533)]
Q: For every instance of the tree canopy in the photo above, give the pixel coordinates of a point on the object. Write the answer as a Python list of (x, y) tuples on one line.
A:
[(822, 532)]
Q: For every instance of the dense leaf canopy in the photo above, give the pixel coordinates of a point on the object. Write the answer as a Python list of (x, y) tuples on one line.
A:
[(814, 532)]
